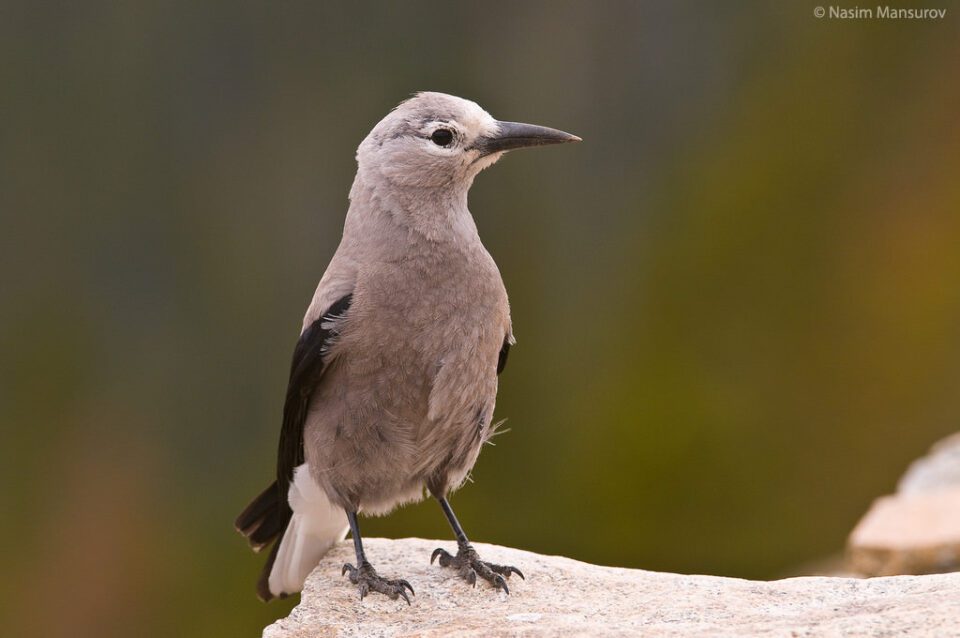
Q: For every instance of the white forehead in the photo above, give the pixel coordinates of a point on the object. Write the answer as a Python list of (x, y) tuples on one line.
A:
[(428, 107), (429, 103)]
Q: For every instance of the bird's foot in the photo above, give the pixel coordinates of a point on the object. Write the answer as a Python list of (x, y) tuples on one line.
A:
[(468, 564), (367, 580)]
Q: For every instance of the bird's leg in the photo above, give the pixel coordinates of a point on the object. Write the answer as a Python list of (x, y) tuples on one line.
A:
[(467, 562), (364, 576)]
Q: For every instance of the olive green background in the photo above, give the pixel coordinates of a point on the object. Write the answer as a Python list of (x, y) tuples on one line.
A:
[(737, 301)]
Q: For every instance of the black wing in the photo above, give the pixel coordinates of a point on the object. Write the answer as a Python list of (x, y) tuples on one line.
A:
[(504, 351), (305, 371), (266, 518)]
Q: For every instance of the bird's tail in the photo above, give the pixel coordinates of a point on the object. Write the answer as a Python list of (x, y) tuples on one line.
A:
[(305, 526)]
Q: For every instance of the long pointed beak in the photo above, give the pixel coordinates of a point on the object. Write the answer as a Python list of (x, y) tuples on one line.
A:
[(513, 135)]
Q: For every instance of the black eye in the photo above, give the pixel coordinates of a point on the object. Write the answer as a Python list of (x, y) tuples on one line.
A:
[(442, 137)]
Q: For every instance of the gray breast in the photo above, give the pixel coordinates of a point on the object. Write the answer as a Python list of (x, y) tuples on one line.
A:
[(413, 381)]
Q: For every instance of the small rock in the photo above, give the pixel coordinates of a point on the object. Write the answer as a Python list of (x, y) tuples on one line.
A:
[(917, 530), (564, 597), (938, 469), (915, 534)]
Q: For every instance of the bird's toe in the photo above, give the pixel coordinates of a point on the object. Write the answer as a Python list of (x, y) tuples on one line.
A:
[(366, 579), (446, 558), (506, 570), (405, 585), (469, 566)]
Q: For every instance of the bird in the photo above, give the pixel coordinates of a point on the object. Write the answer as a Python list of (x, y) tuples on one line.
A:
[(394, 377)]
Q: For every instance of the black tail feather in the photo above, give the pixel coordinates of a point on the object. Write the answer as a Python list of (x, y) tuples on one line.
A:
[(264, 520), (270, 528), (263, 583), (262, 506)]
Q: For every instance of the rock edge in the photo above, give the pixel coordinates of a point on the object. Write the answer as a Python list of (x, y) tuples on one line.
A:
[(564, 597)]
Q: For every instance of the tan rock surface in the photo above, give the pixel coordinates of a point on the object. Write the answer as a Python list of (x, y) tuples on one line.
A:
[(940, 468), (916, 530), (913, 534), (564, 597)]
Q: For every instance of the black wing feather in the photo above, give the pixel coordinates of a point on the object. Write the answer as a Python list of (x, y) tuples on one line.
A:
[(266, 518), (504, 351), (305, 371)]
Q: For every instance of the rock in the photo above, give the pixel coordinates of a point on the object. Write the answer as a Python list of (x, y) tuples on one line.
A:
[(938, 469), (917, 530), (916, 534), (564, 597)]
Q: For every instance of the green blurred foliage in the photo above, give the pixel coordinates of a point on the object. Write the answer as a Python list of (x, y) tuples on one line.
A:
[(737, 302)]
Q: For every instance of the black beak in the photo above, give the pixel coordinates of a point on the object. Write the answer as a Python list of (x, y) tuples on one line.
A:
[(512, 135)]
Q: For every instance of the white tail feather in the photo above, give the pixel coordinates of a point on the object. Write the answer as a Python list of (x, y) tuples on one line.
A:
[(316, 526)]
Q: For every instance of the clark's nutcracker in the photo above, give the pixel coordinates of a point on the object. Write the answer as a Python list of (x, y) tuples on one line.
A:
[(394, 377)]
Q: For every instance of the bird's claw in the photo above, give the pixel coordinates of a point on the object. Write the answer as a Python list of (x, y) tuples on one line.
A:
[(366, 579), (469, 566), (445, 556)]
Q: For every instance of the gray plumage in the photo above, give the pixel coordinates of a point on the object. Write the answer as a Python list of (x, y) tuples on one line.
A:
[(402, 389)]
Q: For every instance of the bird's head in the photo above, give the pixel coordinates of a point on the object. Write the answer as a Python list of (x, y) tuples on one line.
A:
[(434, 140)]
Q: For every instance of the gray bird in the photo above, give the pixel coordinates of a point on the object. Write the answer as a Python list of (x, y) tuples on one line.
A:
[(394, 377)]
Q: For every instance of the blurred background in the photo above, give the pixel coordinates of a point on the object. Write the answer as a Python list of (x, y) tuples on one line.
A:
[(737, 302)]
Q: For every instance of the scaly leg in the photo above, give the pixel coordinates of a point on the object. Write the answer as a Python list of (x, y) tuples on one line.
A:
[(365, 577)]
